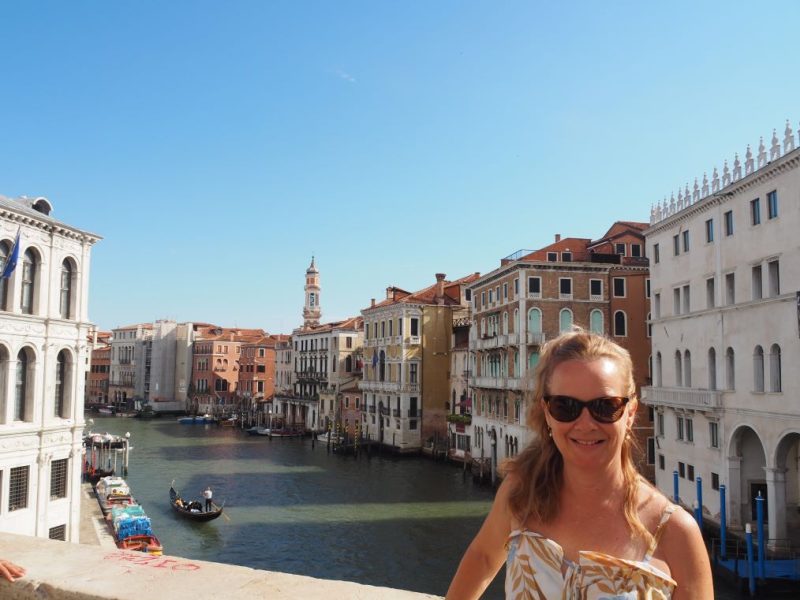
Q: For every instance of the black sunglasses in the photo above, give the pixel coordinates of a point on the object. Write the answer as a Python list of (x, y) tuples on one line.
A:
[(566, 409)]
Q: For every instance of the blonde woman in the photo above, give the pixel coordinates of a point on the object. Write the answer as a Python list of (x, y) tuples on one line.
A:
[(573, 519)]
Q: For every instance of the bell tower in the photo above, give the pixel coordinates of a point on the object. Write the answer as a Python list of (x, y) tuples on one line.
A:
[(311, 310)]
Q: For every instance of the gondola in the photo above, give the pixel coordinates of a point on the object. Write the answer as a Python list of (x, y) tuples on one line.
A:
[(195, 514)]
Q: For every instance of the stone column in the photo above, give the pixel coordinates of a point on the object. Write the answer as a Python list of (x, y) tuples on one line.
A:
[(776, 505)]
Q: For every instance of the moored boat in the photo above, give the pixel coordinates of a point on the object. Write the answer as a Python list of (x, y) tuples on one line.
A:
[(149, 544), (197, 419), (193, 510), (258, 431)]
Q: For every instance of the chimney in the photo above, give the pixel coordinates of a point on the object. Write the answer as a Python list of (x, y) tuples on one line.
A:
[(558, 237), (373, 302), (389, 293), (440, 285)]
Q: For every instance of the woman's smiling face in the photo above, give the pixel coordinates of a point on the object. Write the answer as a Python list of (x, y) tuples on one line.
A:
[(585, 442)]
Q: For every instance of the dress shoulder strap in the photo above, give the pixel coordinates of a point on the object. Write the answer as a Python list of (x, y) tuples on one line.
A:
[(668, 510)]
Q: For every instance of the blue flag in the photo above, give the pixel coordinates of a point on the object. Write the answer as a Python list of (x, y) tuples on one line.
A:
[(11, 261)]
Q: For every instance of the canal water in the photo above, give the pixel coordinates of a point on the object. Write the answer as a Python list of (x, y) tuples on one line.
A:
[(396, 522)]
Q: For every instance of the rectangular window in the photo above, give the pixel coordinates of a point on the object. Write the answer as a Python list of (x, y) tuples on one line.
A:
[(619, 287), (715, 481), (690, 472), (483, 298), (636, 250), (535, 286), (774, 278), (729, 223), (647, 288), (651, 451), (565, 288), (713, 434), (710, 230), (682, 470), (657, 306), (686, 299), (468, 295), (516, 286), (755, 212), (566, 257), (676, 245), (18, 489), (686, 241), (656, 254), (505, 291), (676, 301), (661, 462), (660, 423), (391, 327), (414, 327), (412, 372), (552, 257), (348, 342), (58, 533), (680, 427), (491, 296), (689, 430), (595, 289), (730, 289), (757, 288), (772, 204), (497, 293), (58, 479), (619, 249), (710, 301)]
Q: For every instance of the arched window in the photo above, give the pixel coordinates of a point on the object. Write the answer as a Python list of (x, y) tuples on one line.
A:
[(382, 366), (505, 323), (758, 369), (678, 369), (657, 374), (65, 297), (483, 327), (60, 388), (730, 369), (516, 363), (533, 360), (775, 368), (565, 320), (516, 320), (22, 389), (596, 322), (534, 320), (29, 273), (687, 369), (712, 369), (620, 324), (5, 251)]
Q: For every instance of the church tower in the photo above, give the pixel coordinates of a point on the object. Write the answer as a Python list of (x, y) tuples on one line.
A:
[(311, 310)]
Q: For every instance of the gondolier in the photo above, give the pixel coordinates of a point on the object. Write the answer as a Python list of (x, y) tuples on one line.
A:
[(208, 494), (193, 509)]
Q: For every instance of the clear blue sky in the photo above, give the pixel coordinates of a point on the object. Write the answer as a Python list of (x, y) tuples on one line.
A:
[(217, 145)]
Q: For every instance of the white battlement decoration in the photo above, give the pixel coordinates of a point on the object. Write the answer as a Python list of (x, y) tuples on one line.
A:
[(666, 208)]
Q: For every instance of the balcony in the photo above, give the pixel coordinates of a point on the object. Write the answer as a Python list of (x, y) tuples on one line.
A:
[(596, 297), (459, 419), (512, 339), (535, 338), (413, 340), (499, 383), (409, 387), (682, 398)]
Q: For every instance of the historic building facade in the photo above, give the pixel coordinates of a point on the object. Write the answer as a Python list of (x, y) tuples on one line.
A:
[(725, 275), (44, 350), (407, 343), (125, 342), (599, 285)]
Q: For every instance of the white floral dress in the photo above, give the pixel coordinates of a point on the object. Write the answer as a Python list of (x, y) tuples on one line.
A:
[(534, 571)]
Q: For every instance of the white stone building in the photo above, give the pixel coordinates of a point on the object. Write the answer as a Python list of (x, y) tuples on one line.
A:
[(725, 281), (43, 355)]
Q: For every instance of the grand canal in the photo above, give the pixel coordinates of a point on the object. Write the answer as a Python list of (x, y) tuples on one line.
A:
[(402, 523)]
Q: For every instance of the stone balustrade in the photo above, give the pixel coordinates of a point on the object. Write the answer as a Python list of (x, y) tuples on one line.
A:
[(76, 571)]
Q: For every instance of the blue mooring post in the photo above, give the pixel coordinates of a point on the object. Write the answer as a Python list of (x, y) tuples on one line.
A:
[(700, 502), (760, 524), (751, 580), (723, 520), (675, 487)]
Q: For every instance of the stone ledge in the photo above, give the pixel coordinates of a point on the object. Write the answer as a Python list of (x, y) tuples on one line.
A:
[(78, 572)]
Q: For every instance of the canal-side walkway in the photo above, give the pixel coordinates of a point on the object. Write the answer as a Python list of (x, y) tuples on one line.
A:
[(87, 571), (93, 528)]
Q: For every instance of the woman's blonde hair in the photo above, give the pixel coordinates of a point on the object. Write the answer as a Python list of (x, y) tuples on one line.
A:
[(539, 468)]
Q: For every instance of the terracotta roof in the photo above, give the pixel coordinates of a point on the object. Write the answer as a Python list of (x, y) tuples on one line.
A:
[(127, 327), (354, 323), (428, 295), (229, 334)]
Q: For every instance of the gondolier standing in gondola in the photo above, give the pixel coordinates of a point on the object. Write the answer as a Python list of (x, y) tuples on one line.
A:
[(208, 494)]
